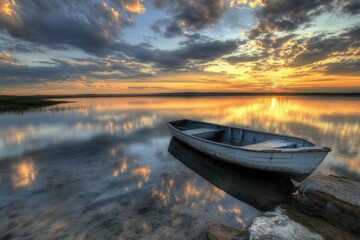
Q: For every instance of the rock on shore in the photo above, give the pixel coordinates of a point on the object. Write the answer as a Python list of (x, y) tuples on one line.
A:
[(277, 225), (327, 207), (335, 199)]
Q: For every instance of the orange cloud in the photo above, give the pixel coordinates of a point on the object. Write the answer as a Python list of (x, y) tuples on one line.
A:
[(6, 56), (7, 7), (114, 17), (135, 7), (251, 3)]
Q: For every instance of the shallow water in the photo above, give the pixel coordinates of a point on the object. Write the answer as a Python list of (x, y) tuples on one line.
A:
[(100, 167)]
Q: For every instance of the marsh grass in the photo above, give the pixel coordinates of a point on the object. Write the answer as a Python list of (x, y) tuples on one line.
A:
[(21, 104)]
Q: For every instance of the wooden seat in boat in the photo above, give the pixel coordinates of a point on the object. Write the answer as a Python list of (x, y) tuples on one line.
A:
[(202, 130), (274, 143)]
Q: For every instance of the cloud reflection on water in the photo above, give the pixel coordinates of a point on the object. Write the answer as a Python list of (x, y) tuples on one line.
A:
[(102, 169), (23, 173), (332, 122), (75, 193)]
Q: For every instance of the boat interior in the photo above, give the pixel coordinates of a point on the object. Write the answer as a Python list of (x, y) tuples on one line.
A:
[(246, 138)]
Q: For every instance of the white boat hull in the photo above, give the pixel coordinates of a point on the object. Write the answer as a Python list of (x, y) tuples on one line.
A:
[(296, 165)]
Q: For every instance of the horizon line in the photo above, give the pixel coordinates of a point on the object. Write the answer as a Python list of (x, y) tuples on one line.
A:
[(169, 94)]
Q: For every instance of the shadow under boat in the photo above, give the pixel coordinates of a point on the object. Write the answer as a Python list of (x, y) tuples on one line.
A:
[(260, 189)]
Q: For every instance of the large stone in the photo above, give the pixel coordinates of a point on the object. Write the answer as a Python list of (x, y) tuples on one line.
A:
[(221, 232), (277, 225), (336, 199), (315, 224), (285, 222)]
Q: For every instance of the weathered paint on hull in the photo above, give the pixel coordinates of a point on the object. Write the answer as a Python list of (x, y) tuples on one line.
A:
[(297, 166)]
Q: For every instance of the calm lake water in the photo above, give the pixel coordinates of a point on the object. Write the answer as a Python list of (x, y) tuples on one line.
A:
[(101, 168)]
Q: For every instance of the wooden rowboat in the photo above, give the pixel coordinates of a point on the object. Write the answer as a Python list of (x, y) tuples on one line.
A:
[(291, 156), (240, 182)]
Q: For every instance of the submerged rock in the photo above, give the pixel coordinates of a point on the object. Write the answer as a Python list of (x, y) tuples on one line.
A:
[(336, 199), (221, 232), (277, 225)]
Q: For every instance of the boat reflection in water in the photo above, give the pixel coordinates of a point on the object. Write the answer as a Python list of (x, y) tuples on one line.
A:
[(260, 189)]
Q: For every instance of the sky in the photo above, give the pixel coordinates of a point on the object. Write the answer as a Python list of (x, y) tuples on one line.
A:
[(154, 46)]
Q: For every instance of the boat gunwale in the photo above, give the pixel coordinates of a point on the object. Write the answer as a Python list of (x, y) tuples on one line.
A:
[(315, 148)]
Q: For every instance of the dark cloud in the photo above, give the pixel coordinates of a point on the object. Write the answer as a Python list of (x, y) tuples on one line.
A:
[(353, 34), (174, 29), (271, 46), (207, 50), (271, 41), (182, 57), (287, 15), (297, 51), (92, 26), (159, 3), (121, 66), (14, 73), (322, 46), (13, 45), (318, 48), (244, 58), (157, 25), (189, 15), (193, 38), (347, 67), (351, 6)]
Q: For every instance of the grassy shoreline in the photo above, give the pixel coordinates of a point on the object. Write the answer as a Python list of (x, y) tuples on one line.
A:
[(24, 103)]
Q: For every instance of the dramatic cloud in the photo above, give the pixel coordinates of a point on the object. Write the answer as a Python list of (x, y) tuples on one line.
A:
[(271, 41), (287, 15), (181, 58), (267, 42), (92, 26), (347, 67), (350, 6), (131, 6), (317, 49), (14, 73), (184, 59), (321, 47), (297, 51), (5, 56), (193, 38), (189, 16), (244, 58), (352, 34)]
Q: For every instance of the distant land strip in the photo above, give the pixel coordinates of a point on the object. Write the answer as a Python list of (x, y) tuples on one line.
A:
[(194, 94)]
